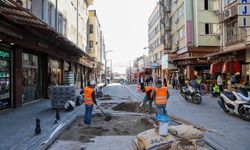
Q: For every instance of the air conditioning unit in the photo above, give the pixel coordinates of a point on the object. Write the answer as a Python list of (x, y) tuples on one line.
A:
[(176, 20), (227, 13), (217, 12)]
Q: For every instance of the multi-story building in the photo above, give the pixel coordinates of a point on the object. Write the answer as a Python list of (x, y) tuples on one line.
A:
[(95, 42), (155, 42), (195, 32), (234, 54), (39, 42)]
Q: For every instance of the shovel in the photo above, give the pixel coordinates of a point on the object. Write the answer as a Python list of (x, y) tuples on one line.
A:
[(107, 116)]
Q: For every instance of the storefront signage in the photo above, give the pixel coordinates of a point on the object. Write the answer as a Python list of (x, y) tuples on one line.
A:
[(165, 63), (190, 31), (244, 13), (4, 54)]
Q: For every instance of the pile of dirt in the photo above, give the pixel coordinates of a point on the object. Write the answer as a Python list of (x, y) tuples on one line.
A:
[(133, 107), (123, 125), (107, 105)]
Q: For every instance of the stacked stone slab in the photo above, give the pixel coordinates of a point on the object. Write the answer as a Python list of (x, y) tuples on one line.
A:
[(61, 94)]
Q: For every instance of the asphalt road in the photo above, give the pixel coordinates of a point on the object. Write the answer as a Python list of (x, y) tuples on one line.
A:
[(232, 133)]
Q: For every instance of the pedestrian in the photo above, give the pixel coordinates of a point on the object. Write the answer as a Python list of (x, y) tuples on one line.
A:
[(160, 96), (142, 83), (89, 101), (181, 81), (148, 97), (165, 81), (220, 83), (173, 82)]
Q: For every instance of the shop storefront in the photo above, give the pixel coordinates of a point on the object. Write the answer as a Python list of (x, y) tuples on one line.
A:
[(31, 77), (5, 77), (54, 72)]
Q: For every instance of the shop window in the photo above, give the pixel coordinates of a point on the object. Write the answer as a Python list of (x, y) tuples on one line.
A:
[(54, 72), (4, 79), (31, 77)]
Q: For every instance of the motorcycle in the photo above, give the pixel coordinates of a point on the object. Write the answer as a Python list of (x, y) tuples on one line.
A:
[(191, 95), (237, 102)]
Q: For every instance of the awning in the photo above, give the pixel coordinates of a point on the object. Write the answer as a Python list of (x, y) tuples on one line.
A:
[(224, 52), (187, 58), (13, 13)]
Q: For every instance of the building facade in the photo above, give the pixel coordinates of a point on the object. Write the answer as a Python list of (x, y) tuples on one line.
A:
[(234, 54), (155, 44), (195, 32), (38, 47), (95, 44)]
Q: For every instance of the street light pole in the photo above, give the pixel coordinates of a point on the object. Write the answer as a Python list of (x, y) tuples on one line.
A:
[(105, 67)]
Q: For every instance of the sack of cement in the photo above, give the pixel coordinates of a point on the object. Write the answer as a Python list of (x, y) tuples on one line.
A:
[(136, 145), (185, 144), (163, 128), (151, 140), (186, 132)]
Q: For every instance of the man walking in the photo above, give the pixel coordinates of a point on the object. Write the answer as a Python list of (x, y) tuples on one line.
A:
[(89, 101), (220, 83), (160, 96)]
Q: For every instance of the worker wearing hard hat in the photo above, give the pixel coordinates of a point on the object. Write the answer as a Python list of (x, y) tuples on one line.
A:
[(89, 101)]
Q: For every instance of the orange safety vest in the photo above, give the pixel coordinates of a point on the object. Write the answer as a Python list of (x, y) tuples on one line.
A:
[(161, 96), (148, 88), (88, 96)]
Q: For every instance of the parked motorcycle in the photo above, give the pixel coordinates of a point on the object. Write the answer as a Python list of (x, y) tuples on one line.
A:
[(191, 95), (237, 102)]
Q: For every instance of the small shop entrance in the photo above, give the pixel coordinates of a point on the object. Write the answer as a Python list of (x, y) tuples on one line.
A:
[(5, 69)]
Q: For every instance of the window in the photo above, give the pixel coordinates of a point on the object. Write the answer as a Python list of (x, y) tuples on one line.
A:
[(91, 28), (50, 12), (91, 44), (207, 28), (181, 11), (181, 33), (28, 5), (227, 2), (212, 28), (205, 4), (60, 23)]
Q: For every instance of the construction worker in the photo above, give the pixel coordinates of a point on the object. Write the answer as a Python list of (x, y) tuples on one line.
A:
[(148, 97), (89, 101), (160, 96)]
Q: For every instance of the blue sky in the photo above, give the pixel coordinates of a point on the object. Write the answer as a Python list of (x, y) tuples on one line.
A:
[(124, 24)]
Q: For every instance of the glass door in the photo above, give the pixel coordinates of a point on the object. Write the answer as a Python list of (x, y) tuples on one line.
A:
[(4, 84)]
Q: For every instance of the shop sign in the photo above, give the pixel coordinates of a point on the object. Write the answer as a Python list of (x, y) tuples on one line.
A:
[(189, 31), (4, 54), (244, 13), (154, 65)]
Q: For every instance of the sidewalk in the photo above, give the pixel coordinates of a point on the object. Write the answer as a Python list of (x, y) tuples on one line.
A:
[(18, 125)]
